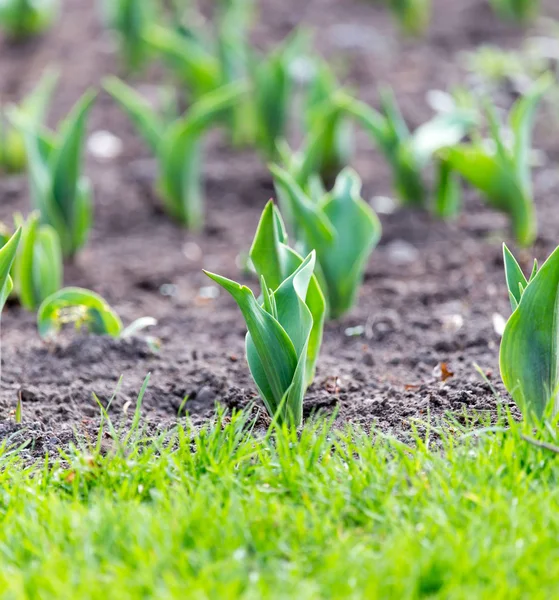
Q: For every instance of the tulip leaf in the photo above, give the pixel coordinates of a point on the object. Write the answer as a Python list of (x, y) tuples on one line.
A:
[(38, 267), (59, 192), (14, 119), (330, 140), (340, 227), (130, 19), (448, 192), (275, 261), (194, 63), (145, 119), (407, 153), (7, 257), (178, 145), (80, 306), (521, 123), (272, 87), (23, 18), (529, 358), (278, 338), (66, 158), (503, 174), (303, 213), (516, 281), (358, 231), (272, 359), (496, 178)]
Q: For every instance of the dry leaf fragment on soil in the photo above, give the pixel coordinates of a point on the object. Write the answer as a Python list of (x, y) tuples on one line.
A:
[(443, 371)]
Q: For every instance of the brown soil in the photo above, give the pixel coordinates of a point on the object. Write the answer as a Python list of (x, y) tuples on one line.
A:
[(424, 278)]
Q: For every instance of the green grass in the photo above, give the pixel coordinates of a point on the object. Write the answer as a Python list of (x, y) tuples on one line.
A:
[(224, 513)]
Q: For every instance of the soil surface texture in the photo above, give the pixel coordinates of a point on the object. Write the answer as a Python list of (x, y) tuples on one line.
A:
[(433, 293)]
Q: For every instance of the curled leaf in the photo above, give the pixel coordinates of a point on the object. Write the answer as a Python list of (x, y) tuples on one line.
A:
[(81, 307)]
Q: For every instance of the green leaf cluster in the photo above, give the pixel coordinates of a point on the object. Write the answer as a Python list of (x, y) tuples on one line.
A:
[(408, 154), (501, 170), (209, 56), (339, 226), (272, 90), (208, 59), (38, 267), (275, 261), (177, 145), (59, 191), (277, 342), (529, 359), (329, 130), (7, 256)]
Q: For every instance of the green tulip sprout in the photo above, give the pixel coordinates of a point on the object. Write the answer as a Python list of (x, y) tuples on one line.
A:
[(327, 124), (209, 58), (340, 227), (277, 342), (178, 145), (408, 154), (130, 20), (273, 88), (33, 108), (86, 310), (190, 56), (233, 19), (59, 191), (7, 256), (500, 170), (38, 268), (529, 351), (322, 152), (275, 261)]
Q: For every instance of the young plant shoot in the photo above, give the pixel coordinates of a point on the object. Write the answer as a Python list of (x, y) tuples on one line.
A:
[(209, 58), (232, 23), (275, 261), (408, 154), (7, 256), (190, 56), (86, 310), (529, 353), (323, 150), (130, 20), (59, 191), (25, 18), (502, 170), (38, 267), (340, 227), (327, 124), (177, 145), (272, 89), (277, 342), (34, 107)]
